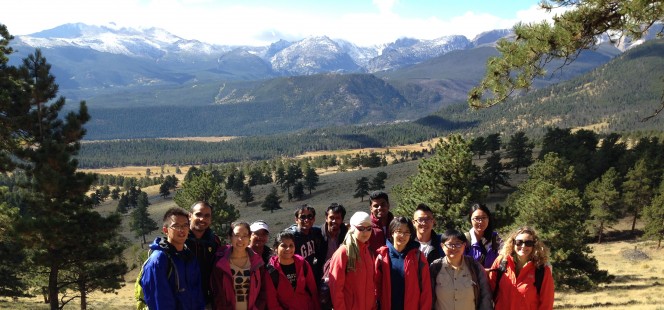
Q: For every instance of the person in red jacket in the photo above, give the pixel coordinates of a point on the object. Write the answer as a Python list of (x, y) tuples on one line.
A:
[(236, 276), (295, 286), (351, 278), (379, 203), (523, 253), (402, 270)]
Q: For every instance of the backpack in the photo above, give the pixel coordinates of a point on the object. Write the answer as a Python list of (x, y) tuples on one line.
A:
[(138, 289), (539, 276)]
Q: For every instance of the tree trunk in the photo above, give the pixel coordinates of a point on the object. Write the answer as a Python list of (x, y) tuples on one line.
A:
[(636, 214), (53, 287), (84, 297), (601, 229)]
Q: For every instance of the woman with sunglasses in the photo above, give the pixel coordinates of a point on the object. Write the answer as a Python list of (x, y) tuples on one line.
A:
[(402, 270), (351, 277), (289, 280), (236, 276), (515, 273), (458, 281), (483, 241)]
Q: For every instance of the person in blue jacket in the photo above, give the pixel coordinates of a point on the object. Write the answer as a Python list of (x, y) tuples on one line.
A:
[(171, 275)]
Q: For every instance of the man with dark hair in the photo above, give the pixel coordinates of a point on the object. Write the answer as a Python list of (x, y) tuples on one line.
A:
[(171, 276), (334, 230), (260, 233), (429, 241), (309, 239), (381, 217), (203, 243)]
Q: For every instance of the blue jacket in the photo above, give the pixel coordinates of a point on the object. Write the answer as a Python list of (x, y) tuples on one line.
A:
[(159, 288)]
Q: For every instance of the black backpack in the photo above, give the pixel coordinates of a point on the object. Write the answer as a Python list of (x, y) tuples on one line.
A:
[(539, 276)]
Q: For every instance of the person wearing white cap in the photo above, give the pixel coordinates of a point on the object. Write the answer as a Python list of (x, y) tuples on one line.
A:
[(351, 274), (260, 233)]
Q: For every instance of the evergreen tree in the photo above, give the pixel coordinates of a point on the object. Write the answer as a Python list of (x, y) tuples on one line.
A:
[(361, 188), (177, 170), (246, 196), (637, 193), (654, 217), (558, 214), (478, 146), (12, 254), (123, 204), (164, 190), (310, 179), (204, 187), (520, 151), (604, 199), (447, 182), (141, 223), (115, 193), (494, 173), (272, 201), (378, 182), (493, 142), (298, 191)]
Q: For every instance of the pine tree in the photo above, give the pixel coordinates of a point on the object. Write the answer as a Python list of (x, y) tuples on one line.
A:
[(204, 187), (378, 182), (654, 217), (604, 198), (493, 172), (637, 192), (478, 146), (272, 201), (246, 196), (123, 204), (141, 223), (298, 190), (493, 142), (361, 188), (310, 179), (520, 151), (447, 182)]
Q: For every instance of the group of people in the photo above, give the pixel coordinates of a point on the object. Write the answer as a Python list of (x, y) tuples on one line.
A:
[(376, 261)]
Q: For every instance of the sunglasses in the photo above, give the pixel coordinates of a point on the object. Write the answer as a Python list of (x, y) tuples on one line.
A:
[(363, 228), (528, 243), (306, 217)]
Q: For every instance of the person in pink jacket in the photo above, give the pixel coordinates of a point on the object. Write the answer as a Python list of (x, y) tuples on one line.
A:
[(402, 271), (236, 276), (295, 286), (523, 253), (351, 276)]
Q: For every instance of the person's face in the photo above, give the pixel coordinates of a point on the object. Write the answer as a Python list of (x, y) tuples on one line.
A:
[(380, 208), (480, 221), (453, 248), (286, 249), (200, 218), (401, 236), (305, 220), (362, 233), (178, 230), (240, 237), (333, 221), (423, 222), (523, 251), (258, 238)]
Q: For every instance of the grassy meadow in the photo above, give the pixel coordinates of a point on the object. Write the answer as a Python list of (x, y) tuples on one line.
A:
[(638, 283)]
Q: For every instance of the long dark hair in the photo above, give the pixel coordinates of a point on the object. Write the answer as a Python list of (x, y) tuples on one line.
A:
[(488, 232)]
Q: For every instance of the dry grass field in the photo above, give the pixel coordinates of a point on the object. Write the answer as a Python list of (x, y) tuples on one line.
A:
[(638, 284)]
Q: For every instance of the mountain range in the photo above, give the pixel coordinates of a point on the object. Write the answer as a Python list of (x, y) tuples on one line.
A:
[(134, 78)]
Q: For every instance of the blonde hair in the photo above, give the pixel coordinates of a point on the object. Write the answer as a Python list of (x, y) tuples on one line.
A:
[(352, 249), (540, 254)]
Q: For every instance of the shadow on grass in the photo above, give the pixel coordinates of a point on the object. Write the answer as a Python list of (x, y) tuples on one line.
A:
[(597, 305)]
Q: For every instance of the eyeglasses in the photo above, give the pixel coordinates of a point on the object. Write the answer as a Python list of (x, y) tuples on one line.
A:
[(402, 233), (453, 246), (306, 217), (424, 220), (363, 228), (179, 228), (479, 219), (528, 243)]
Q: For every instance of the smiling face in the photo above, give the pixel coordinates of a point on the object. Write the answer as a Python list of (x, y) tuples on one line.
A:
[(177, 231), (362, 236), (286, 250), (401, 236), (380, 208), (240, 237), (523, 251), (334, 222), (423, 222), (258, 239), (200, 218), (480, 221), (453, 248), (305, 220)]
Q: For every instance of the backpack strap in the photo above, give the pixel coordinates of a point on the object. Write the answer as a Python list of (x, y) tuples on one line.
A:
[(472, 268), (419, 269), (274, 274), (499, 274), (539, 278)]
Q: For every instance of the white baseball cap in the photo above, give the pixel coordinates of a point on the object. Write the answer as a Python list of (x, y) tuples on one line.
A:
[(258, 225)]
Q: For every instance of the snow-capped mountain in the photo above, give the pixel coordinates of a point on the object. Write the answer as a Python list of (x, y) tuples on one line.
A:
[(311, 56), (408, 51)]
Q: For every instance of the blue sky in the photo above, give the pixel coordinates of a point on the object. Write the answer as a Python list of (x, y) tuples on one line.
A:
[(260, 22)]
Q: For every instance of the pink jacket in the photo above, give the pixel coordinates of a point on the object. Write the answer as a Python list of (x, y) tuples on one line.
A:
[(353, 290), (222, 282), (303, 297), (520, 292), (417, 295)]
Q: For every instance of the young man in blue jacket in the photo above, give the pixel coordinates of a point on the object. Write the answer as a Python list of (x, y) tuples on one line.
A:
[(171, 276)]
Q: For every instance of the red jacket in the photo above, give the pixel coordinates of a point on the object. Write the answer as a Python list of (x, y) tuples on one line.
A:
[(222, 281), (416, 296), (352, 290), (305, 294), (378, 235), (520, 292)]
